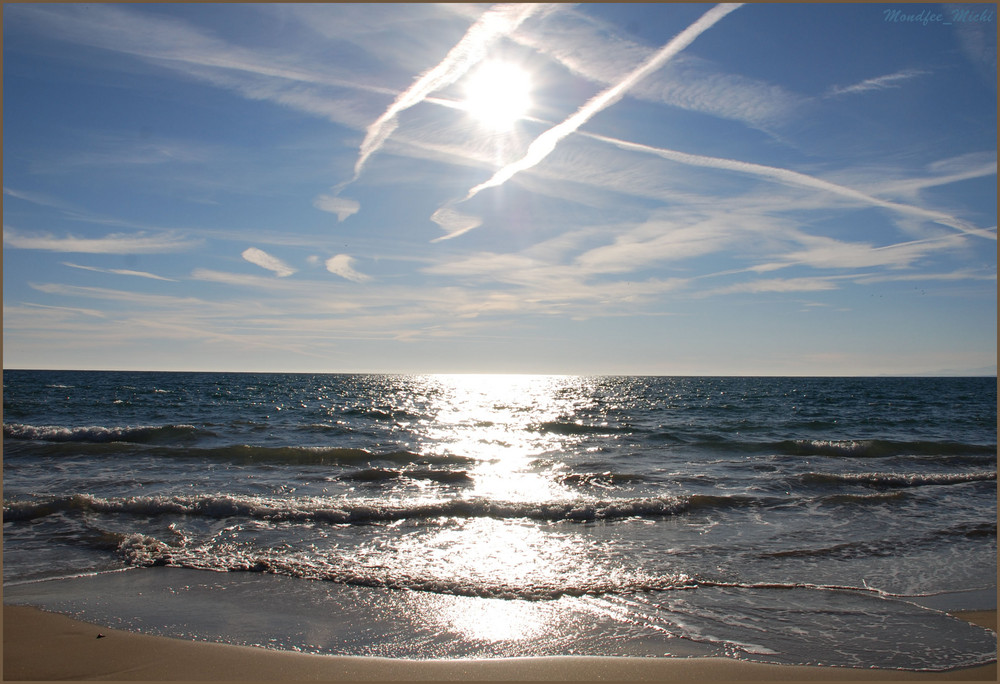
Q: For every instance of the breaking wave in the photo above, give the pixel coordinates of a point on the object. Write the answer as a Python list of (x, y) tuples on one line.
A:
[(352, 511), (875, 448), (143, 434), (896, 479)]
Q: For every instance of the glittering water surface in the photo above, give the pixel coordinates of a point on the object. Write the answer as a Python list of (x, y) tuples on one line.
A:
[(777, 519)]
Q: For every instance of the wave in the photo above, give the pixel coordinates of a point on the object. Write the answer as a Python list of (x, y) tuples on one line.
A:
[(305, 455), (442, 476), (606, 480), (567, 428), (142, 550), (888, 548), (896, 479), (388, 474), (880, 448), (347, 511), (143, 434), (382, 414), (372, 475), (878, 497), (175, 441), (145, 551)]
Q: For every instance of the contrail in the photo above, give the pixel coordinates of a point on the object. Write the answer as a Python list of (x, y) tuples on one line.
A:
[(496, 22), (790, 177), (543, 145)]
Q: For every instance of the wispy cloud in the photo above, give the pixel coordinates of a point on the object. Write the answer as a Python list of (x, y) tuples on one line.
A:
[(599, 52), (543, 145), (138, 298), (660, 241), (340, 206), (825, 252), (773, 285), (119, 271), (495, 23), (112, 151), (77, 213), (265, 260), (454, 223), (94, 313), (241, 279), (171, 42), (961, 274), (117, 243), (946, 171), (796, 178), (342, 265), (877, 83), (40, 199)]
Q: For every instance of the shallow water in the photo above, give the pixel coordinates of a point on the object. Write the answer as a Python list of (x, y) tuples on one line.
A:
[(775, 519)]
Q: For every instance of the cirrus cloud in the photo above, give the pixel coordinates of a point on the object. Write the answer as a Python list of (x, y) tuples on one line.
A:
[(340, 206), (116, 243), (265, 260), (341, 265)]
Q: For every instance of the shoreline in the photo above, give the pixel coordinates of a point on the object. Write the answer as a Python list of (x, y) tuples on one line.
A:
[(40, 645)]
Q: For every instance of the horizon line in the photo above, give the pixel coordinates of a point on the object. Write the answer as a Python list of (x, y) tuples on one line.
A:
[(945, 373)]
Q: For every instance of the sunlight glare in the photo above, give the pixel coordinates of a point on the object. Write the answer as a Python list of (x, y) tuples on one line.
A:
[(498, 94)]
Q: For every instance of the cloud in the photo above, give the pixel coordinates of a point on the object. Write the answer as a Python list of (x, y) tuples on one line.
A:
[(178, 46), (774, 285), (117, 243), (340, 206), (168, 41), (951, 170), (119, 271), (138, 298), (78, 214), (596, 51), (824, 252), (241, 279), (495, 23), (341, 265), (265, 260), (795, 178), (110, 151), (543, 145), (961, 274), (454, 223), (94, 313), (877, 83), (659, 241), (39, 199), (978, 42)]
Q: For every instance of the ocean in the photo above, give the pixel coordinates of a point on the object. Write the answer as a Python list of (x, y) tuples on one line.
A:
[(785, 520)]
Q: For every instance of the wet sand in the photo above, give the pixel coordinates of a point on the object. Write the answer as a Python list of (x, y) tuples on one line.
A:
[(40, 645)]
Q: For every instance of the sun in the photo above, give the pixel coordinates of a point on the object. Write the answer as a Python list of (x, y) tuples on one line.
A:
[(498, 94)]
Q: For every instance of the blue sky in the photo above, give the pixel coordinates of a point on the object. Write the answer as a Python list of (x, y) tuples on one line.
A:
[(594, 188)]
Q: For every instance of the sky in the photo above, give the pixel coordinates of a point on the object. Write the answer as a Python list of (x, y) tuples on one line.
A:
[(662, 189)]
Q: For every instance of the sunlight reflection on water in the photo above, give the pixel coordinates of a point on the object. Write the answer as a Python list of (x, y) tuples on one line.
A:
[(495, 419), (497, 620)]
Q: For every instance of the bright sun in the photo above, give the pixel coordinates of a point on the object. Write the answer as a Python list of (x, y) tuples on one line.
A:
[(498, 94)]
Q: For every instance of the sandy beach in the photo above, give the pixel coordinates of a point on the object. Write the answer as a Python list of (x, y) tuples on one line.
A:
[(39, 645)]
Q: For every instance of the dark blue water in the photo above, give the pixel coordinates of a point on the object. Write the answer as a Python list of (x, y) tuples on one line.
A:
[(799, 520)]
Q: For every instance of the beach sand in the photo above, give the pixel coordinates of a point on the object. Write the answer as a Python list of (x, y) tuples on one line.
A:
[(39, 645)]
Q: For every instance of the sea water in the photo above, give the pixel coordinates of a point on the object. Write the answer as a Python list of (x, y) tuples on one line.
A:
[(786, 520)]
